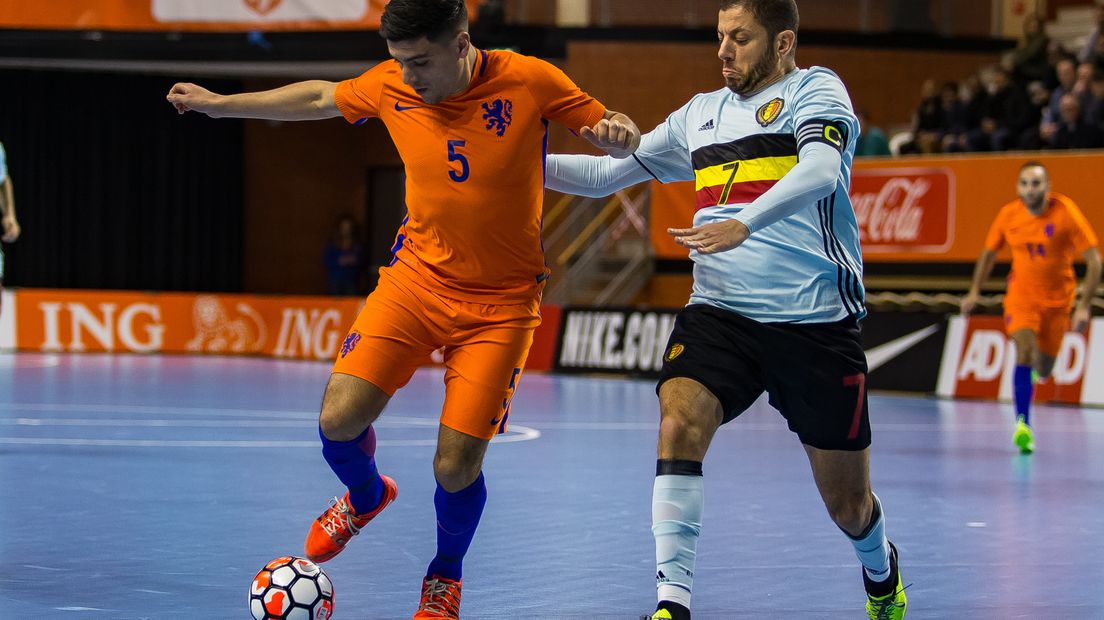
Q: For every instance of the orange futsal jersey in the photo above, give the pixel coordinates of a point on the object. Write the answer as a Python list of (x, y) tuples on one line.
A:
[(1043, 249), (474, 171)]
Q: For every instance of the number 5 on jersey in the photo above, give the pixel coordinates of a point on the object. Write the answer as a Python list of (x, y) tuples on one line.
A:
[(453, 155)]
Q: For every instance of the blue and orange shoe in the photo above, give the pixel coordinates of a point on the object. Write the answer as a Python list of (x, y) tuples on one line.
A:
[(335, 527), (440, 599)]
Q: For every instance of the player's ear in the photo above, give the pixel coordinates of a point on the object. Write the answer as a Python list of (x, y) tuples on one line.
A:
[(785, 43), (462, 44)]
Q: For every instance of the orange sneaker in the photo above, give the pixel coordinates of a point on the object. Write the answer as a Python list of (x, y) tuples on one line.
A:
[(440, 599), (335, 527)]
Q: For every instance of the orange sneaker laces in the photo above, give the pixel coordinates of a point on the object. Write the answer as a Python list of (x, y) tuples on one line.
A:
[(441, 597), (340, 519)]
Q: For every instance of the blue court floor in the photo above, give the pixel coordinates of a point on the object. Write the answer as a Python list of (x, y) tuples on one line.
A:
[(155, 487)]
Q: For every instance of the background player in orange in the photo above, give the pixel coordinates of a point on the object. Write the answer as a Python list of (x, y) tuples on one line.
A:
[(1046, 232), (9, 225), (468, 268)]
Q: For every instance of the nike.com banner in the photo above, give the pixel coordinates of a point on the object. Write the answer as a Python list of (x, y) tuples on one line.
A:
[(978, 362), (619, 341), (208, 15)]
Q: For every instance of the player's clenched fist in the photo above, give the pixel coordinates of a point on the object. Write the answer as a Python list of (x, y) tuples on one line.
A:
[(616, 135), (186, 96)]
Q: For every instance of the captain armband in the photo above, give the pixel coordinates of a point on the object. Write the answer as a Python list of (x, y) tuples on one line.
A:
[(832, 133)]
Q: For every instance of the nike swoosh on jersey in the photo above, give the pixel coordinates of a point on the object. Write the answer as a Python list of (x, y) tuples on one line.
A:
[(884, 353), (404, 108)]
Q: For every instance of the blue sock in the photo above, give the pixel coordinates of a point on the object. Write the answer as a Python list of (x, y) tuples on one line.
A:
[(355, 465), (457, 517), (871, 546), (1023, 388)]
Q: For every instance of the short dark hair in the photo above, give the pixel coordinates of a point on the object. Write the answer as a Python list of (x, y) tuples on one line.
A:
[(405, 20), (774, 15), (1033, 163)]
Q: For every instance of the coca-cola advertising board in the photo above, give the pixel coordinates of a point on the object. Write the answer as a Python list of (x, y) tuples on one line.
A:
[(904, 209)]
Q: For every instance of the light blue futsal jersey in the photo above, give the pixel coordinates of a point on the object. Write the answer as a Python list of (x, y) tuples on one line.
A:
[(804, 268)]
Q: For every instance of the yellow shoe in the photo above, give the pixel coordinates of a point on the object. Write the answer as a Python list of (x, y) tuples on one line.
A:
[(1023, 437), (891, 606), (668, 611)]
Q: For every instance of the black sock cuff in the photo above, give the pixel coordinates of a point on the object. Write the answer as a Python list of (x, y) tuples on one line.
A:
[(675, 467)]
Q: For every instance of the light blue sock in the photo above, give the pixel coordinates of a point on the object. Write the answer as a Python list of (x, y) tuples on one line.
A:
[(678, 500), (872, 547)]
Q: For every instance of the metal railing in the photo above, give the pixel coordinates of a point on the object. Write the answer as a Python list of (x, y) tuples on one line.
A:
[(599, 249)]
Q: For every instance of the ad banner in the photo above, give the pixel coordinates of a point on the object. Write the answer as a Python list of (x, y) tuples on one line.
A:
[(308, 328), (613, 340), (979, 358), (197, 15)]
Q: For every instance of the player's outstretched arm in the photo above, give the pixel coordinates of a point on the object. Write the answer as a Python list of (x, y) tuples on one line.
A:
[(586, 175), (615, 134), (302, 101), (1083, 313), (982, 269)]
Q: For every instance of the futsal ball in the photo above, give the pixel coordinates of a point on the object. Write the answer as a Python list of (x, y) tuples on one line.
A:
[(291, 588)]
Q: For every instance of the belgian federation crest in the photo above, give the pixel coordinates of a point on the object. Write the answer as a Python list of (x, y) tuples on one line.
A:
[(770, 111), (675, 351)]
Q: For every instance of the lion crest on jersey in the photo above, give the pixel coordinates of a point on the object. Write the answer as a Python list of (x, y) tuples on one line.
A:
[(770, 111), (498, 114)]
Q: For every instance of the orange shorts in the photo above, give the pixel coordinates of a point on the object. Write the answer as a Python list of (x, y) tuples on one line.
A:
[(485, 347), (1049, 324)]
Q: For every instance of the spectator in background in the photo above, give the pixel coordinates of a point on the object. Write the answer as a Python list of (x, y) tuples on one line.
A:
[(1093, 51), (344, 259), (872, 140), (1035, 138), (9, 226), (1055, 53), (926, 121), (971, 98), (956, 117), (1029, 60), (1094, 114), (1073, 132), (1006, 115)]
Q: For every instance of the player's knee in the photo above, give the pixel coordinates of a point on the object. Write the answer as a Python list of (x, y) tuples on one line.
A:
[(348, 407), (455, 470), (685, 428), (850, 511)]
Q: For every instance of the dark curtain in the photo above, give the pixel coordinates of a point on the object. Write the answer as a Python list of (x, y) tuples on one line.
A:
[(115, 190)]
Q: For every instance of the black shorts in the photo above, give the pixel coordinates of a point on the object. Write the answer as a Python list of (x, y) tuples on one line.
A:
[(815, 374)]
